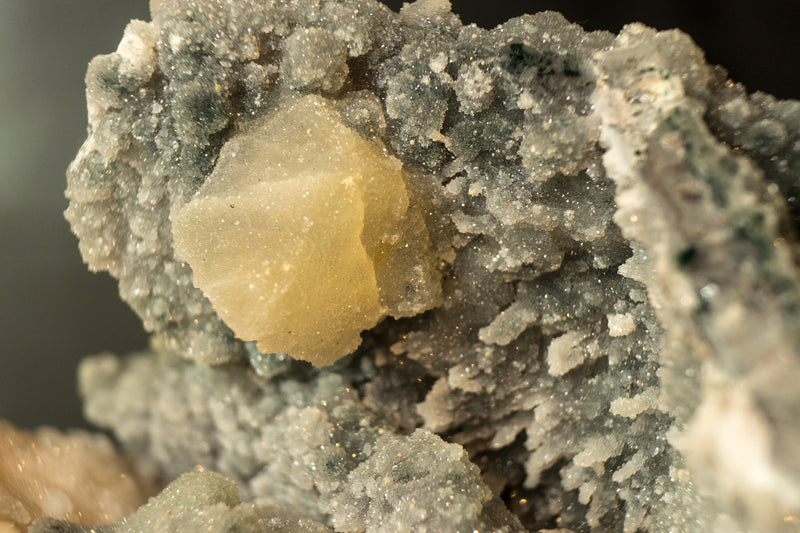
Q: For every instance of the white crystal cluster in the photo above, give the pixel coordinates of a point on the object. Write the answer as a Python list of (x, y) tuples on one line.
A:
[(617, 346)]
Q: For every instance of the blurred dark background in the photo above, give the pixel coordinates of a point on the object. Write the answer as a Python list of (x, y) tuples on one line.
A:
[(53, 311)]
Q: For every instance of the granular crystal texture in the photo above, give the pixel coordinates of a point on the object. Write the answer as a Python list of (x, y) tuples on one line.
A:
[(304, 445), (614, 344), (693, 204)]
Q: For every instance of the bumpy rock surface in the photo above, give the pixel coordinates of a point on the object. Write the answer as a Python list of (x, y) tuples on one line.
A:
[(304, 444), (615, 222)]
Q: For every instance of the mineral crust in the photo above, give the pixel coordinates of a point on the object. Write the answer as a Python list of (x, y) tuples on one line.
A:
[(616, 342)]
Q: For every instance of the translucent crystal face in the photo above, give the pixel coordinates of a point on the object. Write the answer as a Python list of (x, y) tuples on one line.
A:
[(304, 235)]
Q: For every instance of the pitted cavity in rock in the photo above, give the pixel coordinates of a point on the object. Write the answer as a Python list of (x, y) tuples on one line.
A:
[(305, 235)]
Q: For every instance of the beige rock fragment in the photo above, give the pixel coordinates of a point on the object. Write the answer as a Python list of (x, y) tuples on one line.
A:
[(620, 324), (74, 476)]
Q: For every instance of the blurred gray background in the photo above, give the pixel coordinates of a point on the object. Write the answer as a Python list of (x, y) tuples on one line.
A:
[(53, 311)]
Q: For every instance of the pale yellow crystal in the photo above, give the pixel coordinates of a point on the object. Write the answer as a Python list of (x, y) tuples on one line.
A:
[(305, 235)]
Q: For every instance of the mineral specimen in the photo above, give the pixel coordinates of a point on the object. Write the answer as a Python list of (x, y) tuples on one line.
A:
[(614, 342)]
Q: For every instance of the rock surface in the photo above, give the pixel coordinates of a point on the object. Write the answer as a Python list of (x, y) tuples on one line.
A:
[(615, 223)]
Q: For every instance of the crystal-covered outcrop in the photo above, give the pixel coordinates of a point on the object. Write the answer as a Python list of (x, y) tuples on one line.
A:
[(616, 347)]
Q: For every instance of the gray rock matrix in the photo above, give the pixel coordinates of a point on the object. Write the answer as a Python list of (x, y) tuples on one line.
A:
[(616, 223)]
